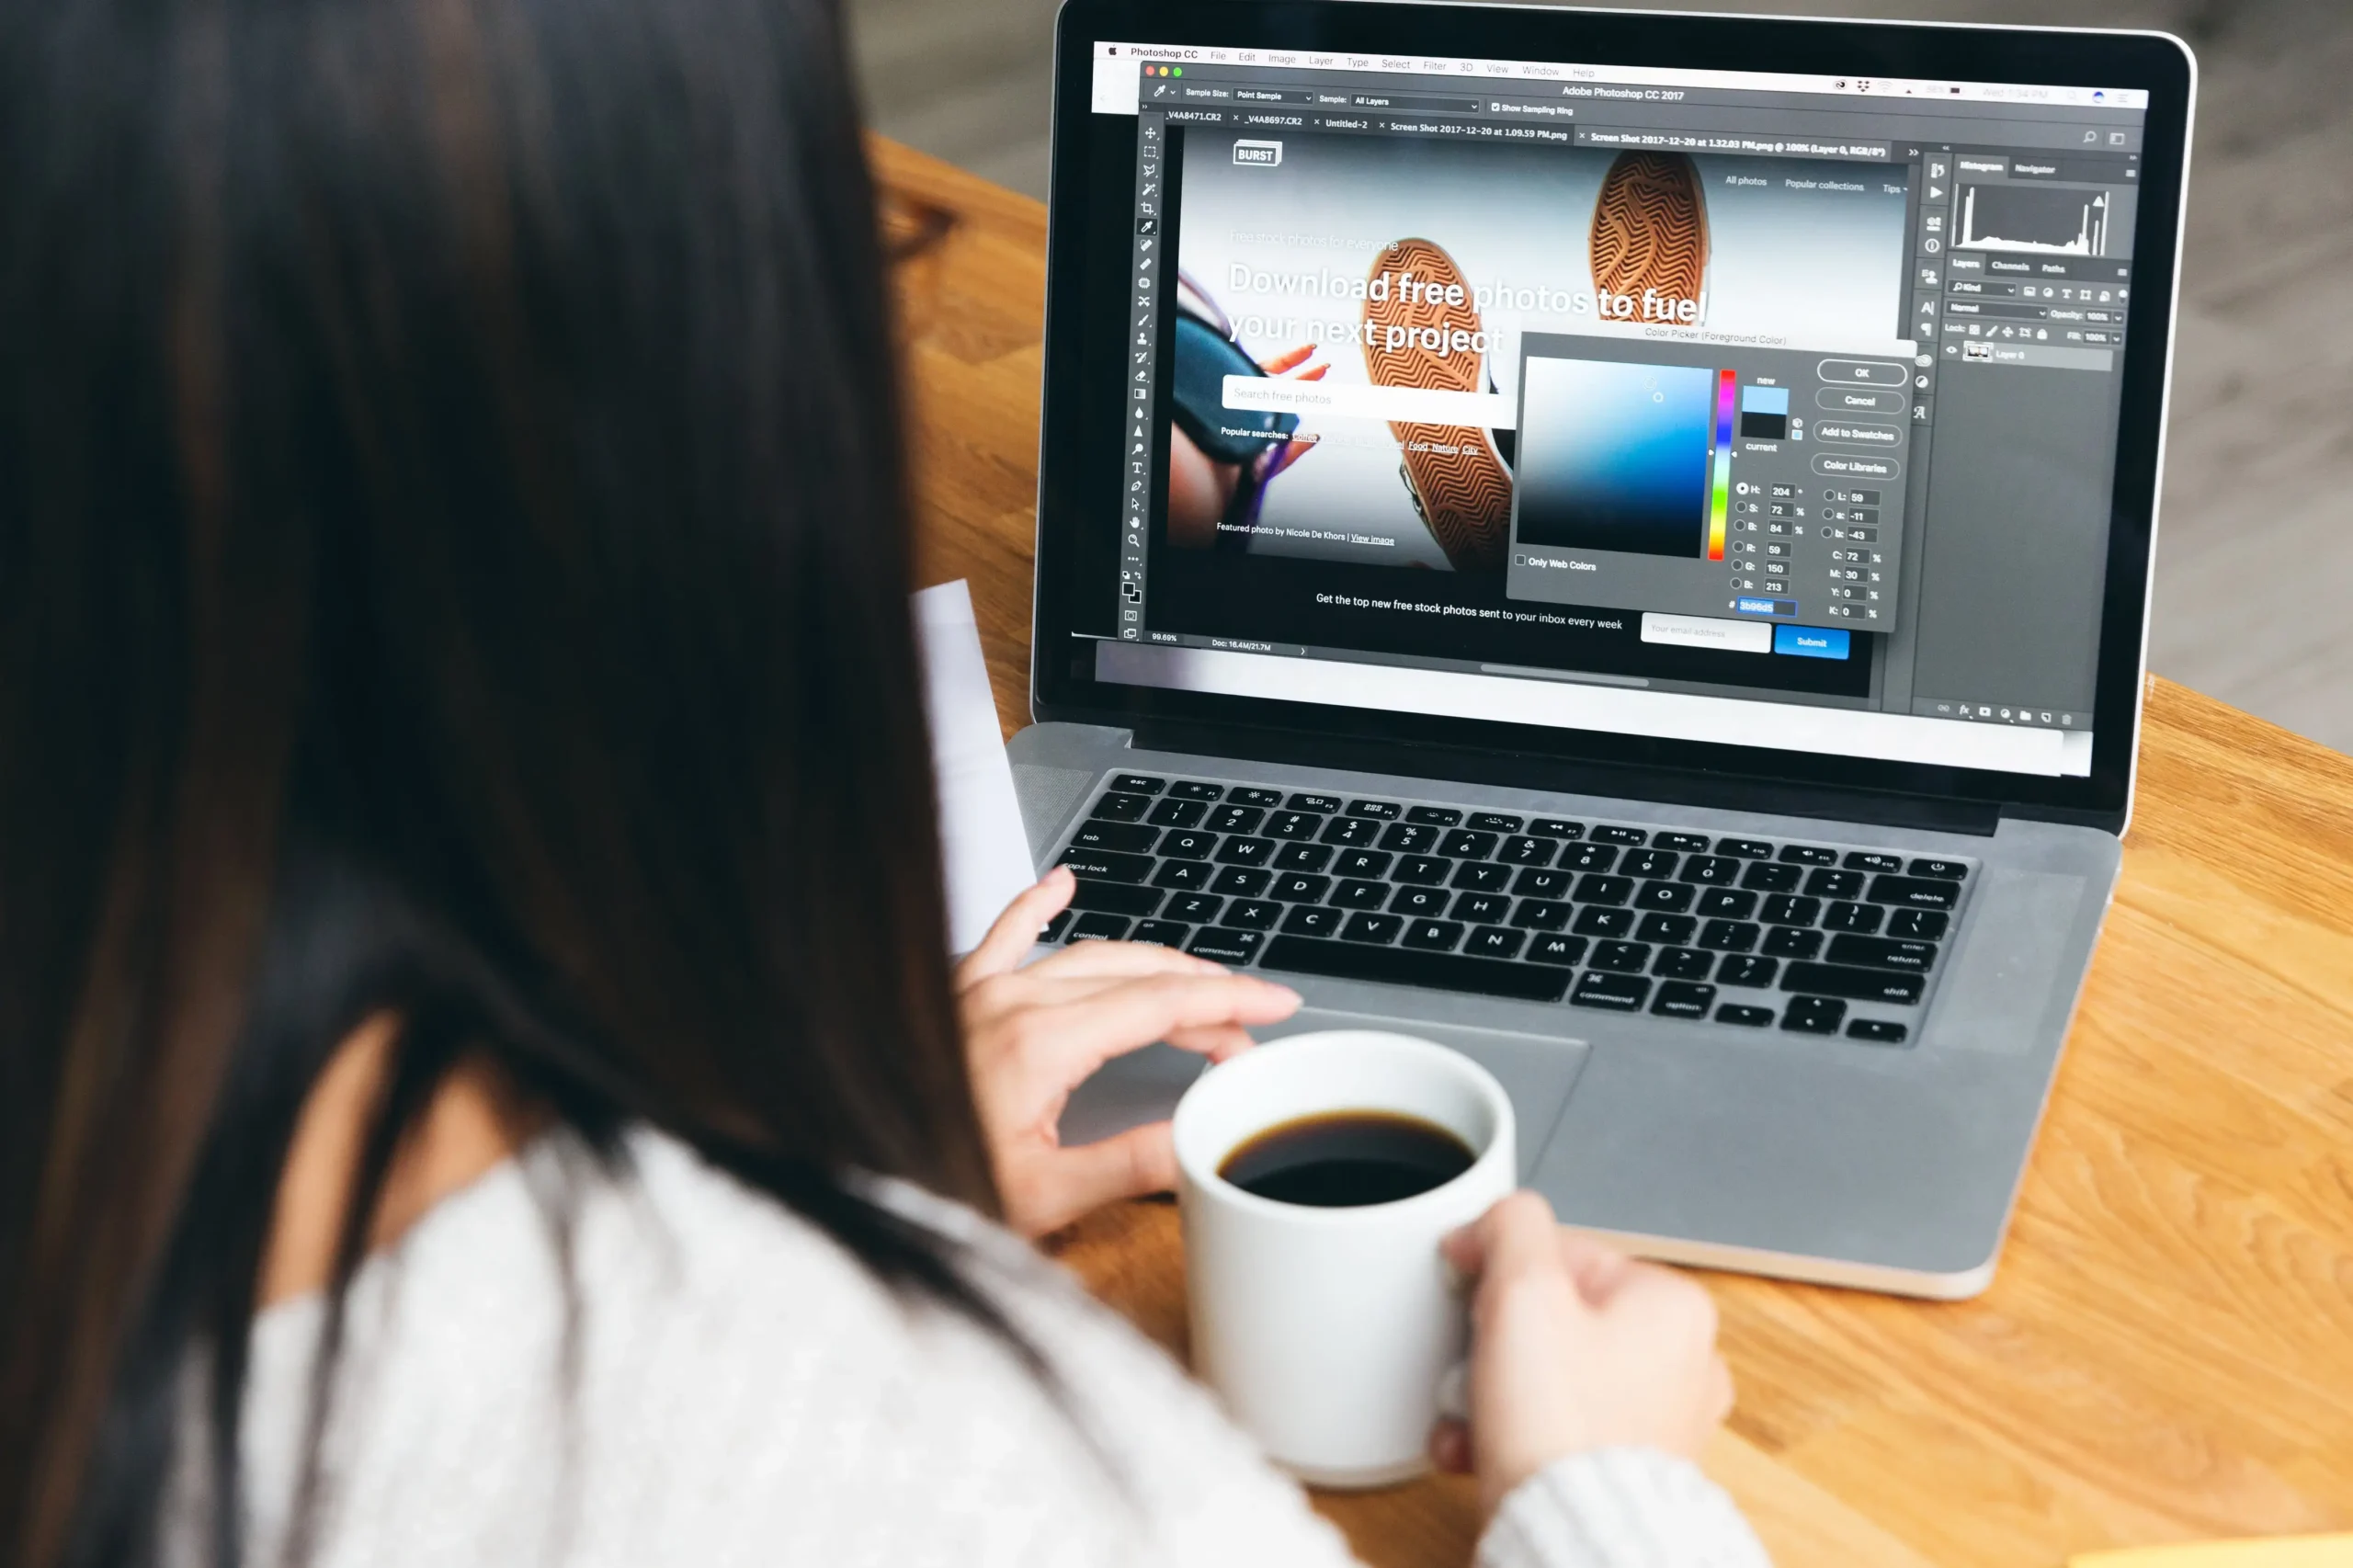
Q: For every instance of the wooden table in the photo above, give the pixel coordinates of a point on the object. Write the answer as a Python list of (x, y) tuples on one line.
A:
[(2168, 1350)]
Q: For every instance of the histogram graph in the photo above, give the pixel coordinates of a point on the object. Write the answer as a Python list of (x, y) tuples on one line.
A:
[(2039, 219)]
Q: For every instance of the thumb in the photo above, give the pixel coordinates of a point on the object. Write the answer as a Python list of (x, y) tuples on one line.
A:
[(1063, 1184)]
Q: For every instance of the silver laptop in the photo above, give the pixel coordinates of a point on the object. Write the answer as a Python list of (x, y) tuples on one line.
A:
[(1620, 543)]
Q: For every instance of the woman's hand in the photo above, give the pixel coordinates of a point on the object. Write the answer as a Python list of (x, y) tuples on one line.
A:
[(1576, 1347), (1033, 1034)]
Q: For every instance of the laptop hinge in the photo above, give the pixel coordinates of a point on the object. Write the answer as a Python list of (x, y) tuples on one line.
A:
[(1527, 771)]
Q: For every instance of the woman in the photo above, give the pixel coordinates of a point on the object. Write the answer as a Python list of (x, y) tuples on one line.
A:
[(480, 1083)]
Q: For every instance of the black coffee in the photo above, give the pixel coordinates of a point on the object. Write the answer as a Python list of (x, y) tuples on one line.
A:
[(1348, 1159)]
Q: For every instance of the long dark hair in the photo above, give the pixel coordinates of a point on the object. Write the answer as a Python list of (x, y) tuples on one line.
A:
[(453, 566)]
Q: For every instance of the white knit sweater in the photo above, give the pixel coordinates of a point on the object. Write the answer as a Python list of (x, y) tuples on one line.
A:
[(741, 1390)]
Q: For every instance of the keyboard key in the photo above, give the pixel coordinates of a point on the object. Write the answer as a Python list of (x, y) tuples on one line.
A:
[(1427, 869), (1684, 843), (1226, 946), (1589, 856), (1386, 811), (1410, 838), (1352, 831), (1493, 822), (1913, 892), (1747, 1017), (1322, 806), (1298, 887), (1314, 920), (1361, 863), (1056, 926), (1187, 843), (1536, 882), (1730, 936), (1121, 808), (1234, 819), (1193, 909), (1251, 913), (1739, 968), (1681, 999), (1159, 933), (1941, 870), (1410, 901), (1294, 824), (1617, 993), (1789, 909), (1913, 957), (1240, 881), (1106, 865), (1116, 898), (1673, 897), (1814, 1015), (1855, 985), (1917, 924), (1434, 816), (1129, 838), (1240, 851), (1649, 863), (1622, 958), (1596, 888), (1189, 874), (1863, 860), (1878, 1031), (1481, 876), (1356, 895), (1494, 942), (1674, 929), (1598, 920), (1807, 855), (1099, 928), (1404, 966), (1138, 783), (1556, 827), (1302, 858), (1260, 798), (1834, 884), (1712, 869), (1748, 848), (1633, 835), (1434, 936), (1767, 876), (1683, 963), (1862, 918), (1482, 908), (1540, 915), (1524, 850), (1551, 947), (1186, 790), (1465, 845), (1177, 814), (1789, 942), (1725, 903)]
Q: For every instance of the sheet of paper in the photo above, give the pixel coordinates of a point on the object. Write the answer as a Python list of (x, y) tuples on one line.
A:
[(2292, 1551), (982, 839)]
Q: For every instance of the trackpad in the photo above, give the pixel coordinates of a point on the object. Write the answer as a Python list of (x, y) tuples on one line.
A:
[(1538, 1070)]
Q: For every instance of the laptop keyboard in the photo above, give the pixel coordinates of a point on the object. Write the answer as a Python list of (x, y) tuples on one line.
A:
[(1748, 931)]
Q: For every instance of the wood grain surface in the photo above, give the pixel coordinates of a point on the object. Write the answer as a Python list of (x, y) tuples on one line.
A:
[(2166, 1353)]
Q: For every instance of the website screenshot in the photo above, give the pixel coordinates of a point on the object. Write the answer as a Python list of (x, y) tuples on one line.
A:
[(1771, 411)]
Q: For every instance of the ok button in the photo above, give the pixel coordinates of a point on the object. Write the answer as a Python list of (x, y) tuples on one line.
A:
[(1861, 373)]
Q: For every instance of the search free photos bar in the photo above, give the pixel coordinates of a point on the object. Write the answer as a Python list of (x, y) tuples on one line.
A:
[(1403, 405)]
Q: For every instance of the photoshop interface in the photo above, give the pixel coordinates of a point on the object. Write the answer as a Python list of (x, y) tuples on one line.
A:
[(1791, 390)]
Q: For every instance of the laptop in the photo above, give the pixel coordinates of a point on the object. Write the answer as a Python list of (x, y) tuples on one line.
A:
[(1621, 543)]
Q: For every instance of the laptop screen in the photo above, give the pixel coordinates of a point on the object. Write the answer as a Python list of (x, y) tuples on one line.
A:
[(1762, 409)]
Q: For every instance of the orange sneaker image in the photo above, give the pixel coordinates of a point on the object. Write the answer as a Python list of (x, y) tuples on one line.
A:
[(1650, 228), (1457, 479)]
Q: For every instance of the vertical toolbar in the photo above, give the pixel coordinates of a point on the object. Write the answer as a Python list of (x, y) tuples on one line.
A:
[(1142, 337)]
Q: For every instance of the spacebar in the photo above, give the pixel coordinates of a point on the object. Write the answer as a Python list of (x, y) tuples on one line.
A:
[(1403, 966)]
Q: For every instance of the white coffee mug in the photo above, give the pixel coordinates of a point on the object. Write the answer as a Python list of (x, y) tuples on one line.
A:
[(1327, 1332)]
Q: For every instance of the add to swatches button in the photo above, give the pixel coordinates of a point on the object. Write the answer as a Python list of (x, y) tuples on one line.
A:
[(1809, 641)]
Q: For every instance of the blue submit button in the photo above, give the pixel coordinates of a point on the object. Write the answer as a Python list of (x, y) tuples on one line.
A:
[(1809, 641)]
